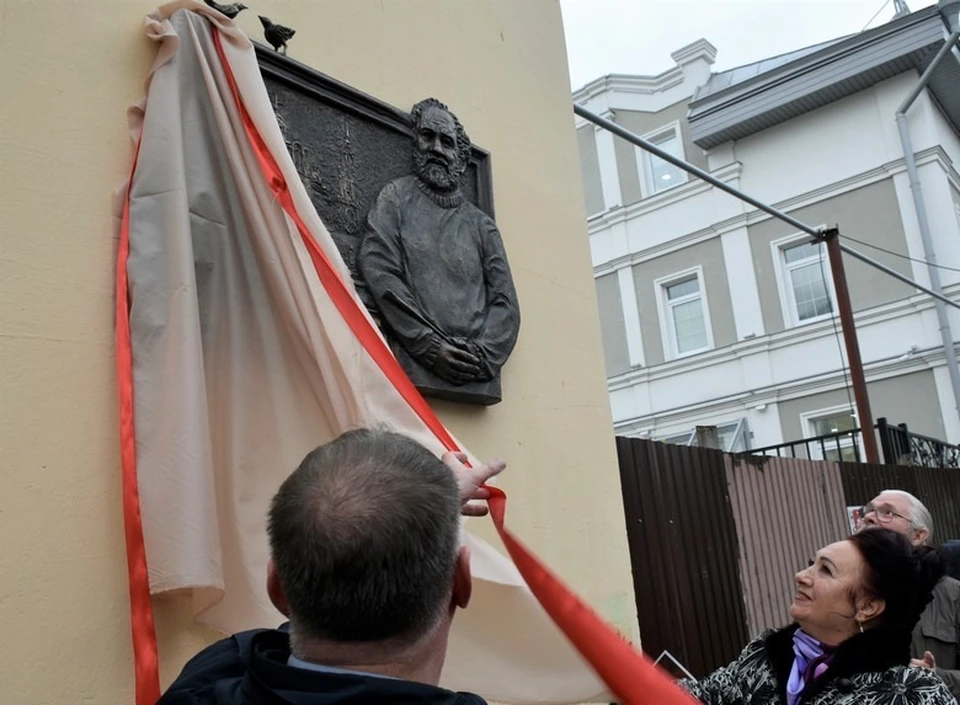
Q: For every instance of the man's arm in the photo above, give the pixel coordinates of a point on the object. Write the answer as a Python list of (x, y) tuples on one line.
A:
[(951, 676), (472, 480)]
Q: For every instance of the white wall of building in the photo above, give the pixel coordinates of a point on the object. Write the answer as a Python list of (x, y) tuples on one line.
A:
[(822, 154)]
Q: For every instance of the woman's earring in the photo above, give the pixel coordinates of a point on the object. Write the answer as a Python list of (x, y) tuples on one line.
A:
[(860, 624)]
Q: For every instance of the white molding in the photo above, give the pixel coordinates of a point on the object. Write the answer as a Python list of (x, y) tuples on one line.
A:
[(609, 174), (645, 94), (600, 223), (930, 360), (693, 187), (910, 306), (699, 49), (667, 330), (744, 290), (631, 317), (947, 403)]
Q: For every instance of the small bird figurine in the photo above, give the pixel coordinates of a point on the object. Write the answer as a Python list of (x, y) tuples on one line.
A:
[(231, 10), (276, 34)]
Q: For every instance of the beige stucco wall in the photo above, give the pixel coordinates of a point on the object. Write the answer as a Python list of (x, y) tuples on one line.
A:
[(68, 70), (590, 169)]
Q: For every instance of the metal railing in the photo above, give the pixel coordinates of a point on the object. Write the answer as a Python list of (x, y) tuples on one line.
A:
[(842, 445), (899, 445), (903, 447)]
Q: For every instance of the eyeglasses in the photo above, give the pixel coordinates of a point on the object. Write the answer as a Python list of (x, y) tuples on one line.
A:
[(884, 514)]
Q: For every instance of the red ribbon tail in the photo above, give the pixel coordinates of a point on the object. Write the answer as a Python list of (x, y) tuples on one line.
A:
[(145, 658)]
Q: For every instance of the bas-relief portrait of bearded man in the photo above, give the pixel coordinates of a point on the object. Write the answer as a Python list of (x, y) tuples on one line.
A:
[(435, 267)]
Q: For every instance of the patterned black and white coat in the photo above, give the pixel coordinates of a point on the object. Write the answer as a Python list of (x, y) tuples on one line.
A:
[(868, 669)]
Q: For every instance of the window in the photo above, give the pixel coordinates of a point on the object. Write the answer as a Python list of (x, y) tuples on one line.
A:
[(684, 318), (659, 175), (805, 288), (732, 437), (838, 425)]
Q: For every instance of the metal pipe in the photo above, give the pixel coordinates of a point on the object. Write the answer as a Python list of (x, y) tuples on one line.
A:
[(929, 251), (857, 378), (710, 179)]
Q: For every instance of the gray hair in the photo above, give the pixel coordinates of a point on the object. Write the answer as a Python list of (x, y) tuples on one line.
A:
[(920, 517), (364, 536)]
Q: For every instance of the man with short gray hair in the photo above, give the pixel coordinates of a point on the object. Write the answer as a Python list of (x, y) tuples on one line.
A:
[(366, 563), (936, 638)]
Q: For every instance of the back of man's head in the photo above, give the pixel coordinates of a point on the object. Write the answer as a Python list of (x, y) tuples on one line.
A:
[(364, 537)]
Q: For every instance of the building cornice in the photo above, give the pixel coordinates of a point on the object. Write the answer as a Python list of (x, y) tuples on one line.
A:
[(920, 361), (626, 215), (910, 306)]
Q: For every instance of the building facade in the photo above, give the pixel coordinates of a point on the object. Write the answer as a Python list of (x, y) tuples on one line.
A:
[(713, 312)]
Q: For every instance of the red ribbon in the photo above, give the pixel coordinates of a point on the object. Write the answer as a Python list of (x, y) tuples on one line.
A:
[(627, 672), (145, 661)]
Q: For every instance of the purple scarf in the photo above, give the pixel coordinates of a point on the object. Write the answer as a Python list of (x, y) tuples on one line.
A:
[(812, 660)]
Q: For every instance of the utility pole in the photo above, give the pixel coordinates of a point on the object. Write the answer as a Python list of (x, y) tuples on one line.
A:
[(831, 237)]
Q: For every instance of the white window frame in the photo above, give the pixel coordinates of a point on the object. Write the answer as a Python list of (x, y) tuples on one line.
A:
[(806, 425), (645, 168), (788, 305), (667, 329), (740, 430)]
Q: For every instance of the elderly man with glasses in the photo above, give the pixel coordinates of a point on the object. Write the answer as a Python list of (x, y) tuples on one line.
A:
[(936, 639)]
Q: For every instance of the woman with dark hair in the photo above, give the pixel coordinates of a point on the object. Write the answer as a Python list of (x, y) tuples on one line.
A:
[(854, 610)]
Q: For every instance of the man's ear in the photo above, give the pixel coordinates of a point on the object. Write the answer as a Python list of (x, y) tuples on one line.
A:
[(275, 590), (462, 580), (920, 536)]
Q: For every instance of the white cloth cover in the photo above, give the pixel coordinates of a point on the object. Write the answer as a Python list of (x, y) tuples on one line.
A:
[(242, 364)]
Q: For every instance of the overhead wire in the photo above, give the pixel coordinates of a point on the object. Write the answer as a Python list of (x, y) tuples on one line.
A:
[(902, 256)]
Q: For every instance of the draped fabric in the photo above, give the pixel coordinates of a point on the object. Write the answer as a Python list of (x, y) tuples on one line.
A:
[(242, 345)]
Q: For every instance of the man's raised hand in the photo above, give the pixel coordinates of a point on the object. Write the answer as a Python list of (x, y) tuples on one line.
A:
[(471, 481)]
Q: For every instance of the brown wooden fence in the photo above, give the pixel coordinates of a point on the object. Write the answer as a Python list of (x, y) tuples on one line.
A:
[(715, 539), (683, 550), (785, 510)]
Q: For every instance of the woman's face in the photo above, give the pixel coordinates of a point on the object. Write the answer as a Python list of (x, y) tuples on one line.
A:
[(825, 604)]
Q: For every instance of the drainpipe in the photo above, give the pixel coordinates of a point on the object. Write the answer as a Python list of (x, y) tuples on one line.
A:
[(929, 253)]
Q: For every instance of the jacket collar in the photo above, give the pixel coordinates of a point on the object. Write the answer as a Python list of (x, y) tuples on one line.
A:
[(874, 650), (271, 681)]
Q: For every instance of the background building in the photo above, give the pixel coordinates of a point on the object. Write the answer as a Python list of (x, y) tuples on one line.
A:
[(714, 313)]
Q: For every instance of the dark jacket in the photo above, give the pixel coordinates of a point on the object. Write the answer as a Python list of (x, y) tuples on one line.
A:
[(939, 633), (250, 668), (867, 669)]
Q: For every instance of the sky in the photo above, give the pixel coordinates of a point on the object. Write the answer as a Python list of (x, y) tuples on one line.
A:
[(637, 36)]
